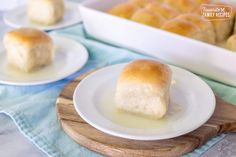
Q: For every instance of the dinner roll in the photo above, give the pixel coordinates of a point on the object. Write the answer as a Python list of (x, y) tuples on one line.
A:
[(163, 9), (223, 28), (200, 7), (45, 12), (203, 1), (144, 88), (231, 43), (206, 27), (125, 10), (141, 3), (234, 31), (183, 27), (149, 18), (28, 49), (184, 6)]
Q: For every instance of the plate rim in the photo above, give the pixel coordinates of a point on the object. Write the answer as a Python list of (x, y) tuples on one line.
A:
[(43, 28), (143, 138), (34, 83)]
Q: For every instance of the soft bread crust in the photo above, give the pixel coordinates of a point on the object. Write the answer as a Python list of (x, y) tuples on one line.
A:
[(46, 12), (141, 3), (28, 49), (223, 28), (28, 36), (165, 10), (149, 18), (203, 1), (183, 6), (125, 10), (231, 43), (234, 31), (206, 27), (143, 88), (184, 28), (137, 71)]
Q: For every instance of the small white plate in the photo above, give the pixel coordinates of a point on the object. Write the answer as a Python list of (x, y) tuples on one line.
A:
[(18, 18), (70, 56), (192, 104)]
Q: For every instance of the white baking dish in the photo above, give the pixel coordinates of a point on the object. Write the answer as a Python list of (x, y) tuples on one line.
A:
[(205, 59)]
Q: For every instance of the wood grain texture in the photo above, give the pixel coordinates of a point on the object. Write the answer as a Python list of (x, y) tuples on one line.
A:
[(223, 120)]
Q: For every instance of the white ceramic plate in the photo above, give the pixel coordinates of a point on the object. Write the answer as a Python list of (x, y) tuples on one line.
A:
[(70, 56), (192, 104), (18, 18)]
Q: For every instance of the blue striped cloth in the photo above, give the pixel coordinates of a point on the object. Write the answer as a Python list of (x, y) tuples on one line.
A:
[(33, 108)]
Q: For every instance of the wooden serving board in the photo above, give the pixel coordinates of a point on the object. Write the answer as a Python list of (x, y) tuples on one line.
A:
[(223, 120)]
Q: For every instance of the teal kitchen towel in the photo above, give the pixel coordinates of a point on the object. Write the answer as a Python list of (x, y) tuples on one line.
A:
[(33, 108)]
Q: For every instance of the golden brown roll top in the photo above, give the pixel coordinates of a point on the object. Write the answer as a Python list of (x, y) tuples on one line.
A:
[(234, 31), (184, 28), (163, 9), (183, 6), (146, 71), (231, 43), (143, 88), (182, 17), (125, 10), (223, 28), (149, 18), (28, 36), (141, 3), (28, 49), (203, 1), (206, 27)]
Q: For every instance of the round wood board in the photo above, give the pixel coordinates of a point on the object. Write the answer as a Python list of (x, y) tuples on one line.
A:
[(223, 120)]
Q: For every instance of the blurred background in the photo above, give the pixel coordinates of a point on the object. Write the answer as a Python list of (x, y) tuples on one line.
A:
[(10, 4)]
